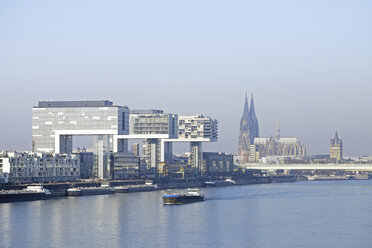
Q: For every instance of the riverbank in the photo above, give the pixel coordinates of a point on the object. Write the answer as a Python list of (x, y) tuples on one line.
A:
[(60, 189)]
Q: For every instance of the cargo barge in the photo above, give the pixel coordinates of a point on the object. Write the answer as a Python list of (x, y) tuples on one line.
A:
[(315, 178), (192, 195), (136, 188), (31, 193), (103, 190)]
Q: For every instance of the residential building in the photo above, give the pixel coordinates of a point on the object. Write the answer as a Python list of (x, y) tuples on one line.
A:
[(193, 127), (124, 166), (217, 164), (154, 127), (4, 168), (86, 164), (153, 122), (254, 154), (40, 167), (197, 129)]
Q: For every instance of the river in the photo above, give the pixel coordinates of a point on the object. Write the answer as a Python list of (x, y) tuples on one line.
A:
[(302, 214)]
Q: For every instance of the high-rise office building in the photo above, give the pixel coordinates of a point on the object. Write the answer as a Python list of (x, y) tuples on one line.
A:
[(154, 127), (54, 123), (153, 122)]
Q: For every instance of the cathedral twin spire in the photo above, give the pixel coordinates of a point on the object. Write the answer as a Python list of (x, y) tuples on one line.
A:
[(246, 107), (252, 112), (249, 128)]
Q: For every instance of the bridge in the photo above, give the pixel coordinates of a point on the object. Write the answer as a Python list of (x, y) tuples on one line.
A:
[(311, 167)]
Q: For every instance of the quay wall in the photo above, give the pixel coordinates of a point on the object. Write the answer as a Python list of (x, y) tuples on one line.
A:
[(178, 184), (60, 189)]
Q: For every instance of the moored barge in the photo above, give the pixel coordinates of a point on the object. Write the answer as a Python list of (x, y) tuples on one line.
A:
[(136, 188), (103, 190), (31, 193), (192, 195)]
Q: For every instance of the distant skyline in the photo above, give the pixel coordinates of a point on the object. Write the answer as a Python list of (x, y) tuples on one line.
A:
[(307, 64)]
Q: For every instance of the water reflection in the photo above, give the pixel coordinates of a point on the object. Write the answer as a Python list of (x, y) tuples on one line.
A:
[(5, 224), (334, 214)]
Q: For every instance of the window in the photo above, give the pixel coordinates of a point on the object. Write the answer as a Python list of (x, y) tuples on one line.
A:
[(123, 121)]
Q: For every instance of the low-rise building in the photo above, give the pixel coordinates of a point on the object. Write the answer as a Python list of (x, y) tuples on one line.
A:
[(217, 164), (39, 167), (86, 160), (124, 166), (321, 159), (4, 167)]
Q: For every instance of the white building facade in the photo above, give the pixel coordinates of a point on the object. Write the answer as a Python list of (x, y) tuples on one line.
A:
[(196, 129), (193, 127), (153, 127), (39, 167), (54, 123)]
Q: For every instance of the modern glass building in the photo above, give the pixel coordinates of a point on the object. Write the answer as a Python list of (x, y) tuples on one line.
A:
[(55, 122), (196, 129), (147, 123), (153, 126)]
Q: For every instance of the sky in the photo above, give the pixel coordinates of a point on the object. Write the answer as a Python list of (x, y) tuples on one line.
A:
[(308, 64)]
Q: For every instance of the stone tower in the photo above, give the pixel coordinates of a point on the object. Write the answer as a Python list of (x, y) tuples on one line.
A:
[(254, 132), (335, 150), (249, 129)]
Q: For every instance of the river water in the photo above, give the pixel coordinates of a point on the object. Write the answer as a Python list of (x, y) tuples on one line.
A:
[(302, 214)]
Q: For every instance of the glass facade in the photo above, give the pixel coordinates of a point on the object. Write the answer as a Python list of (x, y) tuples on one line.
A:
[(154, 124), (74, 120), (55, 122)]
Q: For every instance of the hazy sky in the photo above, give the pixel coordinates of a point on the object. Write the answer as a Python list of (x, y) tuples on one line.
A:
[(308, 63)]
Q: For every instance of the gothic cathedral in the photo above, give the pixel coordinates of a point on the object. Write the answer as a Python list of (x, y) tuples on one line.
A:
[(248, 129)]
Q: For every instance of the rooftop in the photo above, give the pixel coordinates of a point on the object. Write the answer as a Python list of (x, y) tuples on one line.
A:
[(59, 104), (146, 111)]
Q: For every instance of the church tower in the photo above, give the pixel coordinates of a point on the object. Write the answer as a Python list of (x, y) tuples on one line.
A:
[(335, 150), (254, 122), (248, 129)]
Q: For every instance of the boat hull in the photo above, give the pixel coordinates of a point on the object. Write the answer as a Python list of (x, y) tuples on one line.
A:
[(181, 199), (17, 197), (85, 192), (134, 189)]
